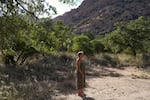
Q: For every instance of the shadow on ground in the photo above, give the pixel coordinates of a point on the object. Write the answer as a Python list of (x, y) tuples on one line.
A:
[(102, 72), (88, 98)]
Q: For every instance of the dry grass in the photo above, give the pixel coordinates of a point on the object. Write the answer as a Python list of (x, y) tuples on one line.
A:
[(51, 75), (39, 80), (116, 60)]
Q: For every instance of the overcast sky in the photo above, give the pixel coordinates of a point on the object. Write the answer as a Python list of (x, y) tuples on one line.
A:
[(62, 8)]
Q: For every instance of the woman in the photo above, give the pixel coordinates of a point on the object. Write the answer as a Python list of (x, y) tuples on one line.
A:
[(80, 74)]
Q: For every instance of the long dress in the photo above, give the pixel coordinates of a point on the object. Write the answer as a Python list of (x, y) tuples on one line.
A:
[(80, 79)]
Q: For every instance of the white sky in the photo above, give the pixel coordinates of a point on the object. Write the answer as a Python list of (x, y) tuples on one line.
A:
[(62, 8)]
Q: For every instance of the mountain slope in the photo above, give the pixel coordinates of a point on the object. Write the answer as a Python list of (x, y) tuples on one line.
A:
[(96, 16)]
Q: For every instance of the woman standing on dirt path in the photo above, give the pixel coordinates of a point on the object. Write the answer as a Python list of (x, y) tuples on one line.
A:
[(80, 74)]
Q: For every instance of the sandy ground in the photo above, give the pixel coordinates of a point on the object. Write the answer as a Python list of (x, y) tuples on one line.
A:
[(114, 84)]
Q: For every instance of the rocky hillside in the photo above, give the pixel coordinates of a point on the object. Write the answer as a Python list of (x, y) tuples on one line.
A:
[(97, 16)]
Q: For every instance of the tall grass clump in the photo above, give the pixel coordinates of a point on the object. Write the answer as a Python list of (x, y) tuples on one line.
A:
[(117, 60)]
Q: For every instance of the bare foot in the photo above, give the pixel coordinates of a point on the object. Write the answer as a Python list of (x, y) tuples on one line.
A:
[(82, 95)]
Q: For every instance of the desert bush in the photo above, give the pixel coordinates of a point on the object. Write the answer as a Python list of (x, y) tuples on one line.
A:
[(116, 60), (82, 43), (97, 46), (105, 59)]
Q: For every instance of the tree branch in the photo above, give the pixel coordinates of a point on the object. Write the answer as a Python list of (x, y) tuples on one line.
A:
[(28, 11)]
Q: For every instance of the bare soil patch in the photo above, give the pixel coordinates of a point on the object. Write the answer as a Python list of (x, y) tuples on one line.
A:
[(103, 83)]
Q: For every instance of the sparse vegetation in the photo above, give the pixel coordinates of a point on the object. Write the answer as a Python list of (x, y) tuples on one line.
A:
[(37, 56), (43, 76)]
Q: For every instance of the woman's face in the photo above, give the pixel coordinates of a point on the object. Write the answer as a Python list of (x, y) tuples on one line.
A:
[(81, 56)]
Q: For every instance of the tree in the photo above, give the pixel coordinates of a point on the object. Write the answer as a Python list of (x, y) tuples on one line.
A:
[(13, 29), (89, 35), (63, 35), (32, 8), (46, 23), (82, 43), (111, 42), (97, 45), (133, 35), (20, 34), (20, 38)]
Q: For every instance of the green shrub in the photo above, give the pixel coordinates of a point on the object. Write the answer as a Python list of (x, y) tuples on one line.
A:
[(97, 45), (82, 43)]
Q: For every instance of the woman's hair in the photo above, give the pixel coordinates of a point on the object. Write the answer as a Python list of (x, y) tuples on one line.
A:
[(79, 53)]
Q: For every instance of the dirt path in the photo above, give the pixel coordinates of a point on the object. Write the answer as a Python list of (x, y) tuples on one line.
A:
[(115, 84)]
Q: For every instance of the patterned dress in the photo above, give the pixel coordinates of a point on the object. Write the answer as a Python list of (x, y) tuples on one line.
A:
[(80, 80)]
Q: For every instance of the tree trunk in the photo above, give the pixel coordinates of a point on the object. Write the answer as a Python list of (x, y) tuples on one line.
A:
[(134, 52)]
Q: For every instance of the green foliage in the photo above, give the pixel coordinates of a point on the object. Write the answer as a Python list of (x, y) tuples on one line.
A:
[(82, 43), (63, 35), (72, 2), (59, 34), (13, 36), (32, 8), (110, 42), (134, 36), (20, 38), (21, 35), (46, 23), (89, 35), (97, 46)]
